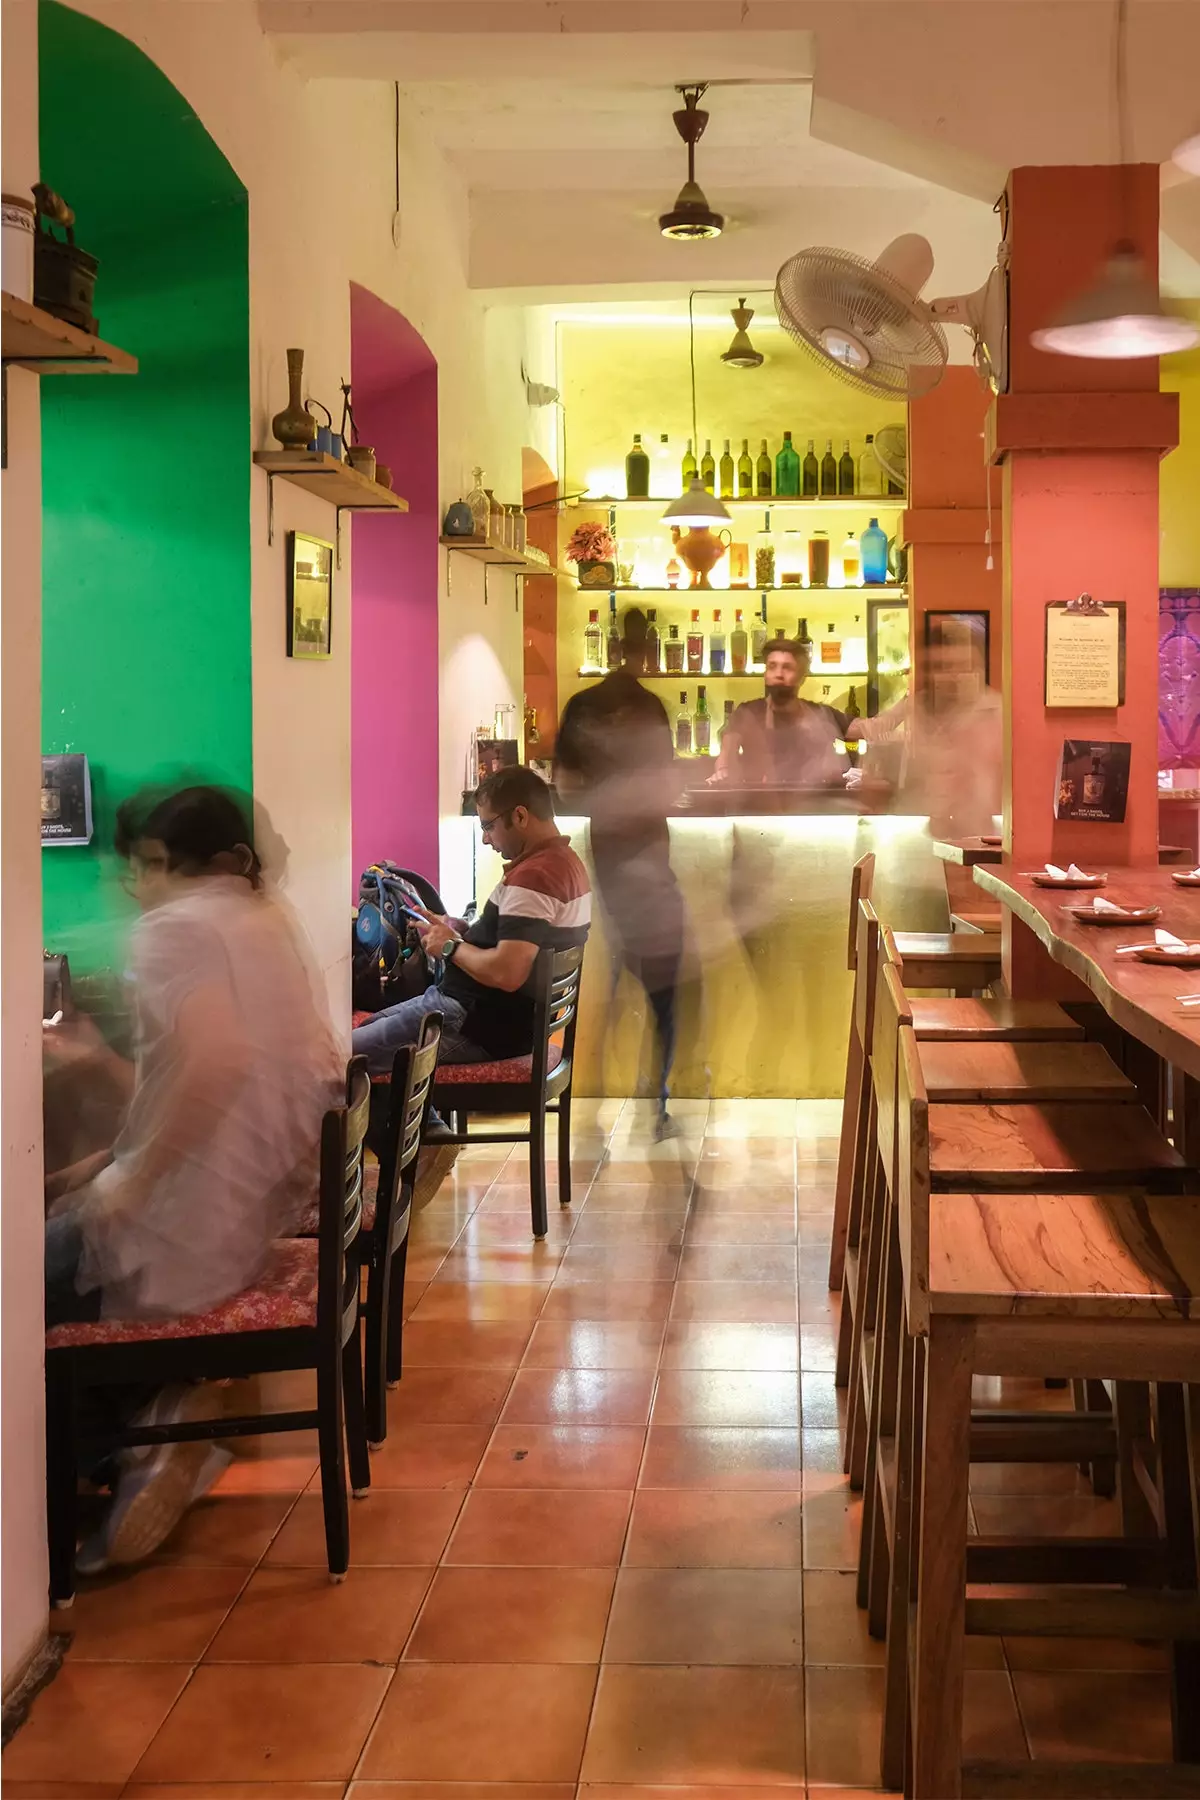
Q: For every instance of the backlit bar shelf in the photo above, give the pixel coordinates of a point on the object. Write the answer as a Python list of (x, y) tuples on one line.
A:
[(820, 673), (704, 595), (867, 503)]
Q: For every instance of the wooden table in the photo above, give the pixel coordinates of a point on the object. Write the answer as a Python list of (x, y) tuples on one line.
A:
[(969, 852), (1141, 999)]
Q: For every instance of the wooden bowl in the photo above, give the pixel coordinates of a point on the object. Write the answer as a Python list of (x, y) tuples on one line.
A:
[(1169, 959), (1133, 915), (1072, 881)]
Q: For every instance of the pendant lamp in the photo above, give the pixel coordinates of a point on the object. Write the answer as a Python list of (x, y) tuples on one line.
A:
[(741, 353), (696, 507)]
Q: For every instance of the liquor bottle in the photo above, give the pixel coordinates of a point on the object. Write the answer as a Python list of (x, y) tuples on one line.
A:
[(762, 480), (818, 559), (662, 468), (614, 657), (758, 638), (852, 709), (851, 561), (846, 469), (829, 470), (683, 727), (727, 473), (674, 572), (870, 475), (708, 468), (831, 647), (802, 636), (592, 641), (787, 468), (637, 471), (674, 651), (812, 473), (689, 467), (745, 472), (724, 725), (716, 647), (695, 645), (874, 555), (739, 643), (702, 729), (653, 646)]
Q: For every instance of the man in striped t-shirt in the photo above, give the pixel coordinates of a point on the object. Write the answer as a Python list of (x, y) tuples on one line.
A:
[(486, 991)]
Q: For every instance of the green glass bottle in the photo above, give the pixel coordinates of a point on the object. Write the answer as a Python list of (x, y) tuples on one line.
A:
[(812, 473), (637, 471), (727, 473), (745, 472), (689, 467), (702, 725), (829, 470), (787, 468), (846, 469), (763, 472), (708, 468)]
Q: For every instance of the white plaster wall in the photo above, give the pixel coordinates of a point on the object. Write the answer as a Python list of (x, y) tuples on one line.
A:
[(24, 1522)]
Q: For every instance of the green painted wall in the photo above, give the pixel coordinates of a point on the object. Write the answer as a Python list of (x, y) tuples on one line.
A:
[(145, 479)]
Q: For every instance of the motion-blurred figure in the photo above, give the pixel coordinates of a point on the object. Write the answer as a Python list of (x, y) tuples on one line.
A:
[(614, 746), (235, 1064), (782, 740)]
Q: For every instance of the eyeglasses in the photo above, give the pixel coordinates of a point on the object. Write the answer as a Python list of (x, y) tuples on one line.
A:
[(487, 826)]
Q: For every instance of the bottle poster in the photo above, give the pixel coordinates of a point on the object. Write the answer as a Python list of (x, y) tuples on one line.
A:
[(1085, 653), (66, 801), (1093, 782)]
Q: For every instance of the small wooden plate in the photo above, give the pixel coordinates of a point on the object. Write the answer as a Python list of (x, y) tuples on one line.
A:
[(1169, 959), (1133, 915), (1182, 880), (1072, 881)]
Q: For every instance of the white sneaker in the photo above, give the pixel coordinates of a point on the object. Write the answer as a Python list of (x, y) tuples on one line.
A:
[(157, 1485)]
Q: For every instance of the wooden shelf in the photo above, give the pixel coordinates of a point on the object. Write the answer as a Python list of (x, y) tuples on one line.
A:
[(485, 550), (332, 480), (707, 676), (731, 596), (35, 339), (866, 503)]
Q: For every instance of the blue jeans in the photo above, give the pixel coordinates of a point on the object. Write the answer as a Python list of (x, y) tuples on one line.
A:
[(64, 1247), (380, 1038)]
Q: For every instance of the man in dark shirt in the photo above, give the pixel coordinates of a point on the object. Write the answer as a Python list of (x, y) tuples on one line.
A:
[(781, 740), (486, 989), (615, 748)]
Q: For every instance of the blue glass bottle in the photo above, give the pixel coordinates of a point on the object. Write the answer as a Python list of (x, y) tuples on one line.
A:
[(874, 555)]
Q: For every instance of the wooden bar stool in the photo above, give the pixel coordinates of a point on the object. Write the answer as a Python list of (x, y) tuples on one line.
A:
[(1092, 1285), (961, 961)]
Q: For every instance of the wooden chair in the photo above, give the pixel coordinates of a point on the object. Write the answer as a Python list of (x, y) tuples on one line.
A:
[(1092, 1285), (302, 1314), (963, 962), (536, 1084)]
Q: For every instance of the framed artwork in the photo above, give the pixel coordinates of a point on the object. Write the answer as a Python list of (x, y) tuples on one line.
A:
[(1085, 653), (958, 658), (309, 596)]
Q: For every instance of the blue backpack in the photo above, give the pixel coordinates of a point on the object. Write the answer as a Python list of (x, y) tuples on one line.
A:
[(389, 960)]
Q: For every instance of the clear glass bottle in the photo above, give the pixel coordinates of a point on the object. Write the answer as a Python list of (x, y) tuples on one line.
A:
[(727, 472), (829, 471), (695, 645), (683, 727), (762, 473), (764, 559), (739, 644), (688, 471), (708, 468), (851, 561), (479, 504), (818, 559), (870, 475), (662, 469), (787, 468), (874, 555), (673, 650), (637, 471), (846, 469), (593, 641), (716, 647), (613, 657), (812, 473), (758, 638), (653, 645), (831, 647), (745, 472), (674, 572), (702, 725)]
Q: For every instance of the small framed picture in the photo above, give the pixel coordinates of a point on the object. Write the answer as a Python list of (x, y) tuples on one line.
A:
[(309, 596)]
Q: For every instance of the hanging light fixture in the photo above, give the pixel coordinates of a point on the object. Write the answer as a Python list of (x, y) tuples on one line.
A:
[(1121, 315), (697, 507), (691, 216), (741, 353)]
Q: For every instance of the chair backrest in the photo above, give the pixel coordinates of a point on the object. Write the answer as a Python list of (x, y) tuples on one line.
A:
[(912, 1196), (343, 1134), (413, 1071), (862, 880), (891, 1013), (866, 966), (557, 976), (888, 950)]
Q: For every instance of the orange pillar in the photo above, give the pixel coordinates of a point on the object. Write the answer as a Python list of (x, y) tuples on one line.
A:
[(1079, 442)]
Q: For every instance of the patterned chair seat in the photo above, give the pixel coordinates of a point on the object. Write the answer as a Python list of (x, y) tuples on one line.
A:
[(284, 1299), (512, 1068)]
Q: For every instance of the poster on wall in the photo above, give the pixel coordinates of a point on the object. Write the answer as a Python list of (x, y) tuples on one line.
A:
[(1093, 781), (1085, 653), (309, 596), (66, 801)]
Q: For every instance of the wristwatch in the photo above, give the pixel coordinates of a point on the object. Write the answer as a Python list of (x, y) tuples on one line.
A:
[(449, 947)]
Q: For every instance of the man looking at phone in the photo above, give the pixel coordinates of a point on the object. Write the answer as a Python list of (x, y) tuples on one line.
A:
[(485, 992)]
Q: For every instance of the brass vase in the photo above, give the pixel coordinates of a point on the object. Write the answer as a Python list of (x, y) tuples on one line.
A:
[(700, 550), (293, 427)]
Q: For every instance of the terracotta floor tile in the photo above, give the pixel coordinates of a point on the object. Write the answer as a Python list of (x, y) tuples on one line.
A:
[(731, 1229), (761, 1119), (469, 1722), (818, 1348), (1066, 1655), (246, 1720), (599, 1790), (822, 1453), (727, 1397), (1029, 1479), (815, 1195), (390, 1528), (495, 1230), (151, 1614), (93, 1722), (618, 1262), (675, 1726), (631, 1229), (835, 1630), (477, 1344), (766, 1302), (448, 1397), (1046, 1515), (281, 1463), (580, 1397), (428, 1456), (815, 1305), (529, 1528), (1096, 1717), (531, 1262), (739, 1262), (234, 1790), (461, 1790), (690, 1528), (627, 1300), (844, 1717), (648, 1189), (525, 1615), (562, 1456), (300, 1616), (595, 1344), (823, 1405), (66, 1790), (230, 1531), (721, 1616), (698, 1345), (461, 1300), (722, 1192), (832, 1525), (721, 1457)]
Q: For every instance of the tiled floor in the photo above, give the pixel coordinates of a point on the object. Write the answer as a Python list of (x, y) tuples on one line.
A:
[(609, 1543)]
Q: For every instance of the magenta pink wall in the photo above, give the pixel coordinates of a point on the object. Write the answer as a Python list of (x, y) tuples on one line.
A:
[(394, 598)]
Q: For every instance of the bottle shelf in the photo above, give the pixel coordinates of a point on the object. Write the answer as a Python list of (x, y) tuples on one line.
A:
[(487, 550), (868, 503), (707, 675), (730, 596)]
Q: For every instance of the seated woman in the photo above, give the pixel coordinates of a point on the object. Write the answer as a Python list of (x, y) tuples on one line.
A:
[(235, 1066)]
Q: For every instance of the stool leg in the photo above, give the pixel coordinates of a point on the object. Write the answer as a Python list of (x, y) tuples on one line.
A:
[(847, 1158), (892, 1755), (869, 1259), (355, 1414), (537, 1168), (332, 1440), (564, 1149), (395, 1312), (1132, 1406), (62, 1478), (937, 1712), (1177, 1487)]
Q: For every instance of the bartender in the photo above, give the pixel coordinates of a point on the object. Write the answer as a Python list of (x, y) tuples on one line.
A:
[(782, 740)]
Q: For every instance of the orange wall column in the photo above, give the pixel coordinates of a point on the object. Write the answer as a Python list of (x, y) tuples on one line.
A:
[(1079, 441)]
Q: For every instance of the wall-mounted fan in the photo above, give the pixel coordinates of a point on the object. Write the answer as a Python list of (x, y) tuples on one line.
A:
[(867, 321), (891, 453)]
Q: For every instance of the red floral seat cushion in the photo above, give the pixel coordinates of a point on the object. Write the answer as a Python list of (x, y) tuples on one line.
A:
[(512, 1068), (284, 1299), (310, 1219)]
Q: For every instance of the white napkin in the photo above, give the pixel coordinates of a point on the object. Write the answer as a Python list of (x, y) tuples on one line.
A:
[(1100, 904), (1166, 940), (1074, 873)]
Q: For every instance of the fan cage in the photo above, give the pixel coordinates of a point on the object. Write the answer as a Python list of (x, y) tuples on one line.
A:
[(824, 289)]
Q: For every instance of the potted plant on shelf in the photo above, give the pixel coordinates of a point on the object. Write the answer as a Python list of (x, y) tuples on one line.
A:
[(592, 549)]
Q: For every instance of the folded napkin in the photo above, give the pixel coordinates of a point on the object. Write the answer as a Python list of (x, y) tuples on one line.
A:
[(1166, 940), (1074, 873), (1100, 904)]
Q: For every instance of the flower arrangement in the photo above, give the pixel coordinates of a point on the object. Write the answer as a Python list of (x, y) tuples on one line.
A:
[(591, 543)]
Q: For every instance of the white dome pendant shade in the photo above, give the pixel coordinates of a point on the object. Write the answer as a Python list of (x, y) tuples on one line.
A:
[(697, 507), (1120, 317)]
